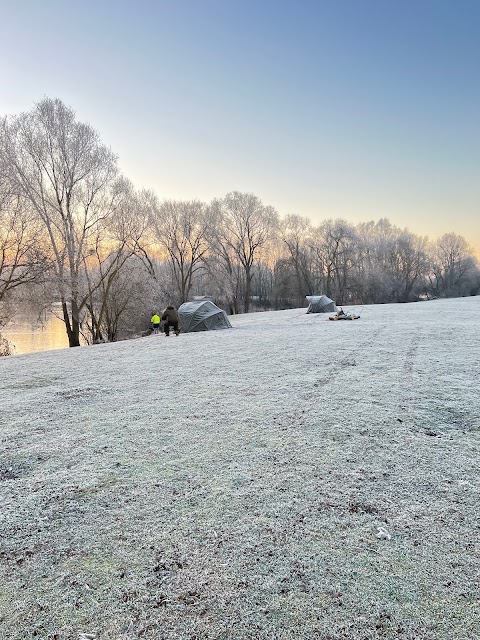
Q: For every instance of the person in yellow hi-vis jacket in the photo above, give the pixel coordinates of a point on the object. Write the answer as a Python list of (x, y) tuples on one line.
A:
[(155, 323)]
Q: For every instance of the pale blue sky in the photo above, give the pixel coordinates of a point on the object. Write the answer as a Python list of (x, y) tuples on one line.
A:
[(358, 109)]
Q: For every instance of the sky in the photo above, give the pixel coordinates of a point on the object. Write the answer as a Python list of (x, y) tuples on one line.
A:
[(354, 109)]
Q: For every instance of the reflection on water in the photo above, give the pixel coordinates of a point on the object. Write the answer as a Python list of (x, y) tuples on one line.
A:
[(28, 338)]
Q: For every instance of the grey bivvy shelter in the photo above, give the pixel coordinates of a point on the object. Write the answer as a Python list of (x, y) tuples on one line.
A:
[(202, 315), (320, 304)]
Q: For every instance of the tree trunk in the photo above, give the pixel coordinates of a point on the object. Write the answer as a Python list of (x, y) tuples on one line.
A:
[(73, 327), (248, 290), (329, 282)]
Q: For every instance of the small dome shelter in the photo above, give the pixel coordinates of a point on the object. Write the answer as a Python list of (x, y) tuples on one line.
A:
[(202, 315), (320, 304)]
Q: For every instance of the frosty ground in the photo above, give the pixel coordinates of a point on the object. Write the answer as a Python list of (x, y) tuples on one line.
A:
[(230, 484)]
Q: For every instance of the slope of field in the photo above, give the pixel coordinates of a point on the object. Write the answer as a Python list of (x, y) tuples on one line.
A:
[(291, 478)]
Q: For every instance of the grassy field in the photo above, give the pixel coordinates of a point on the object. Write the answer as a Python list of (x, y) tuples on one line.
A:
[(290, 478)]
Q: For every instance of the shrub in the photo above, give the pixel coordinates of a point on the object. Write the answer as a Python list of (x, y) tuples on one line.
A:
[(6, 347)]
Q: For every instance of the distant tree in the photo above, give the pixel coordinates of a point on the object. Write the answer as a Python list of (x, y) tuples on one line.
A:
[(334, 244), (262, 285), (182, 230), (408, 264), (371, 279), (296, 234), (225, 276), (224, 267), (243, 226), (454, 267), (59, 166), (391, 263), (285, 286)]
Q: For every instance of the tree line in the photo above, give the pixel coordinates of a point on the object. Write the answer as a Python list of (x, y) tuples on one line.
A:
[(77, 235)]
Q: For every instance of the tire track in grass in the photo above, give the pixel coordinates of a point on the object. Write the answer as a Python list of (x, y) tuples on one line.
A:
[(408, 394), (335, 369), (436, 419)]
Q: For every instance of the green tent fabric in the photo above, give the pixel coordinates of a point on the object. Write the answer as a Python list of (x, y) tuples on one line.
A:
[(320, 304), (202, 315)]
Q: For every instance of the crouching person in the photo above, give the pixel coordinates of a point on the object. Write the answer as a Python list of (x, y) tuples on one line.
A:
[(170, 316)]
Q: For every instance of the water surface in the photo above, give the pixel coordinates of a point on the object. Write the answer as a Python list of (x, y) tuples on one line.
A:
[(28, 338)]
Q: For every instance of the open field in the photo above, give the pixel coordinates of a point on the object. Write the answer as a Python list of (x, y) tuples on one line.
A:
[(230, 485)]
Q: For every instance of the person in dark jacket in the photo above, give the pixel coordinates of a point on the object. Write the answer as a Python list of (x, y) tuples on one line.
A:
[(170, 316)]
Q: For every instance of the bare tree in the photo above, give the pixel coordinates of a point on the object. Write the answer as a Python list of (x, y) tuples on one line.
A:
[(128, 307), (60, 167), (334, 242), (182, 230), (369, 278), (22, 258), (117, 241), (391, 263), (296, 236), (454, 266), (409, 264), (243, 226), (223, 264)]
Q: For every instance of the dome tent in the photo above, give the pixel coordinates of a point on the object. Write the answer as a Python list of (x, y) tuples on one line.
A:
[(202, 315), (320, 304)]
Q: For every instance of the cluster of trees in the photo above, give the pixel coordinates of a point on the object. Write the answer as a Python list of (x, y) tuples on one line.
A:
[(76, 233)]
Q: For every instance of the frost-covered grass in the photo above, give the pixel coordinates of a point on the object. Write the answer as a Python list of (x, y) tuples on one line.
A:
[(230, 485)]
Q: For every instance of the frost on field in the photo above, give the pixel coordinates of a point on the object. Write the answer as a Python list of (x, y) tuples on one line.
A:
[(244, 500)]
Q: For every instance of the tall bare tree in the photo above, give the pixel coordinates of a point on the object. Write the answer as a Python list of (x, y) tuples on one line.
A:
[(243, 226), (61, 168), (295, 233), (409, 264), (334, 243), (182, 230)]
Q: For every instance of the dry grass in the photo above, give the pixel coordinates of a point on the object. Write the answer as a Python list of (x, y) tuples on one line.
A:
[(239, 495)]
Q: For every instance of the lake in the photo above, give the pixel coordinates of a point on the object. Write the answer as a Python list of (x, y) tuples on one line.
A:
[(42, 337)]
